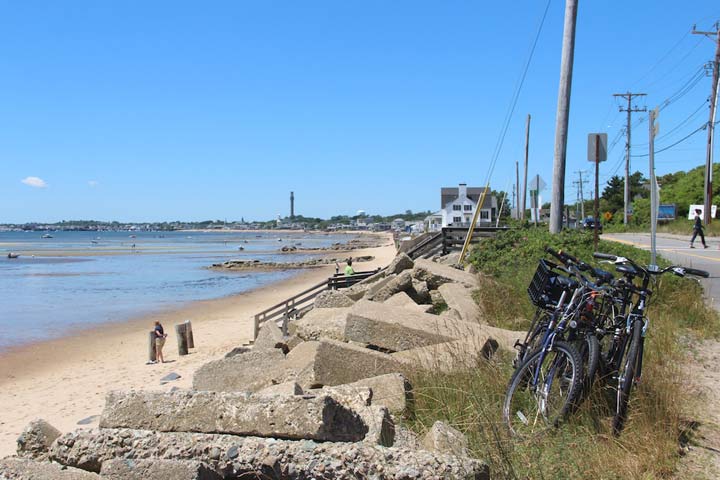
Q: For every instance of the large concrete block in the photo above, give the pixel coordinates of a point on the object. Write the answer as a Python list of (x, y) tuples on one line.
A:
[(131, 469), (16, 468), (333, 299), (253, 457), (436, 274), (287, 388), (36, 438), (402, 299), (269, 336), (392, 390), (322, 323), (337, 363), (450, 356), (420, 292), (400, 283), (443, 438), (400, 262), (249, 371), (425, 322), (292, 417), (390, 335), (459, 297)]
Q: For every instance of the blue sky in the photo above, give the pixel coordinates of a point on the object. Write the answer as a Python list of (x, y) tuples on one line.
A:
[(135, 110)]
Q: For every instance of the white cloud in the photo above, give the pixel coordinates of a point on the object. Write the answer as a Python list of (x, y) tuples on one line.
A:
[(93, 183), (34, 182)]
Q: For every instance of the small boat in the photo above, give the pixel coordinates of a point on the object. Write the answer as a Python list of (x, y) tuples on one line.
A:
[(241, 248), (13, 255), (133, 236), (47, 235), (94, 242)]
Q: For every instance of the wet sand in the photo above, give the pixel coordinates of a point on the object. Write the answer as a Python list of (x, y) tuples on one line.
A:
[(64, 381)]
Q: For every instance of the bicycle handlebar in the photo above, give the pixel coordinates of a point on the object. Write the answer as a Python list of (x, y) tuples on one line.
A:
[(676, 269), (605, 256), (696, 272)]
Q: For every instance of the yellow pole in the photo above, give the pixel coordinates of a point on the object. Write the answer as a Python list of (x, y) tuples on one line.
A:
[(468, 237)]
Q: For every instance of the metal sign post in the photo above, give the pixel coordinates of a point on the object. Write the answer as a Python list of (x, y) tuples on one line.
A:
[(597, 152)]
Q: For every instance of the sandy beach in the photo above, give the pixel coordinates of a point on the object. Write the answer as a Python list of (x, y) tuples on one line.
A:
[(64, 381)]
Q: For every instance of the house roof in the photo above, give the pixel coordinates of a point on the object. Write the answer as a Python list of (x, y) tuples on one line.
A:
[(448, 194)]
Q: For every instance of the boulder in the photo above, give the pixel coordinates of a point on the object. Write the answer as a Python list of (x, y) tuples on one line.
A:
[(322, 323), (451, 315), (292, 417), (379, 285), (252, 457), (293, 341), (459, 297), (449, 259), (250, 371), (443, 438), (16, 468), (131, 469), (400, 283), (333, 299), (36, 438), (287, 388), (436, 274), (400, 262)]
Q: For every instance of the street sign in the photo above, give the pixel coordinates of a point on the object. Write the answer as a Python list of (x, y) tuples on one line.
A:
[(537, 184), (597, 153)]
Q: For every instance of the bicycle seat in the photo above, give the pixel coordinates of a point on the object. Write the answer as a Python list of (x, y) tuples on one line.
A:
[(627, 270)]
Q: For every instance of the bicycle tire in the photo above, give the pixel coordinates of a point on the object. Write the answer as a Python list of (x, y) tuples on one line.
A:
[(626, 378), (589, 349), (542, 406)]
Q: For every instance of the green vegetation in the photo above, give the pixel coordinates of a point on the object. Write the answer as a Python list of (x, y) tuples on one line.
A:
[(584, 447)]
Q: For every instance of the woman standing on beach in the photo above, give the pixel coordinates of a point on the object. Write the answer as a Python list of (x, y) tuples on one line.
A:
[(159, 341)]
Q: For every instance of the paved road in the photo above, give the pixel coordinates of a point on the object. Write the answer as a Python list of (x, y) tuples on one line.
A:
[(676, 248)]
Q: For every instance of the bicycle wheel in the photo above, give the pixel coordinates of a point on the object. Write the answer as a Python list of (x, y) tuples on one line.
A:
[(589, 349), (626, 378), (543, 389)]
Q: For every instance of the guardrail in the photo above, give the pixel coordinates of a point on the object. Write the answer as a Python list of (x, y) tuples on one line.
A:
[(303, 301)]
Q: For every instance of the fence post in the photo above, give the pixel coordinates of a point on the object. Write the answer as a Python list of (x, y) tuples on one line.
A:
[(181, 339), (189, 333), (256, 327), (152, 356), (286, 320)]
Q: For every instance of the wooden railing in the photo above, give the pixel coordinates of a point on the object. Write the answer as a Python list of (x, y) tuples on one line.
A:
[(303, 301)]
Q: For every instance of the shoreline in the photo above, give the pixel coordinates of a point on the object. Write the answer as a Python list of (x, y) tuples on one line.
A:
[(64, 380)]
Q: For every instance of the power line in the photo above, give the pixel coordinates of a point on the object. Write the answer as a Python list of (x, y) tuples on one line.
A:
[(700, 128)]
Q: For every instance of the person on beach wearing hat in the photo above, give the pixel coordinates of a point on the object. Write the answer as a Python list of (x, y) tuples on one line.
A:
[(698, 229), (160, 336)]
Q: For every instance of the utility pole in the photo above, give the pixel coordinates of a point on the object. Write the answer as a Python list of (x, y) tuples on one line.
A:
[(563, 114), (654, 200), (527, 151), (516, 190), (630, 109), (581, 198), (707, 212)]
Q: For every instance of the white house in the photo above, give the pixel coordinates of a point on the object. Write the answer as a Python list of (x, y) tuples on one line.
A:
[(458, 204)]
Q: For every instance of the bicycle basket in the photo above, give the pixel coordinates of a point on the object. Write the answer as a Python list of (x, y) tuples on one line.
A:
[(544, 288)]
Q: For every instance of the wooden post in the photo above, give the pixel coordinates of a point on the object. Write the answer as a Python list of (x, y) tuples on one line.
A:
[(256, 327), (189, 333), (181, 339), (152, 356)]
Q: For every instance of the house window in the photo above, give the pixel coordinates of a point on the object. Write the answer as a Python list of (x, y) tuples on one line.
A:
[(484, 215), (467, 208), (457, 207), (457, 219)]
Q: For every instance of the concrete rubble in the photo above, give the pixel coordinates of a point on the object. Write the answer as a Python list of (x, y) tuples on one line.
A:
[(155, 469), (36, 438), (333, 299), (247, 457)]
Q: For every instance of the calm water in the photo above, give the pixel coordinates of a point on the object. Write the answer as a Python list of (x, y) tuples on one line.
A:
[(106, 279)]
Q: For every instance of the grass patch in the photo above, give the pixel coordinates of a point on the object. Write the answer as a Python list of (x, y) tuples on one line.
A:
[(471, 399)]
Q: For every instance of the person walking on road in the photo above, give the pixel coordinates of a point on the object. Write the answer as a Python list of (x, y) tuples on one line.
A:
[(698, 229)]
